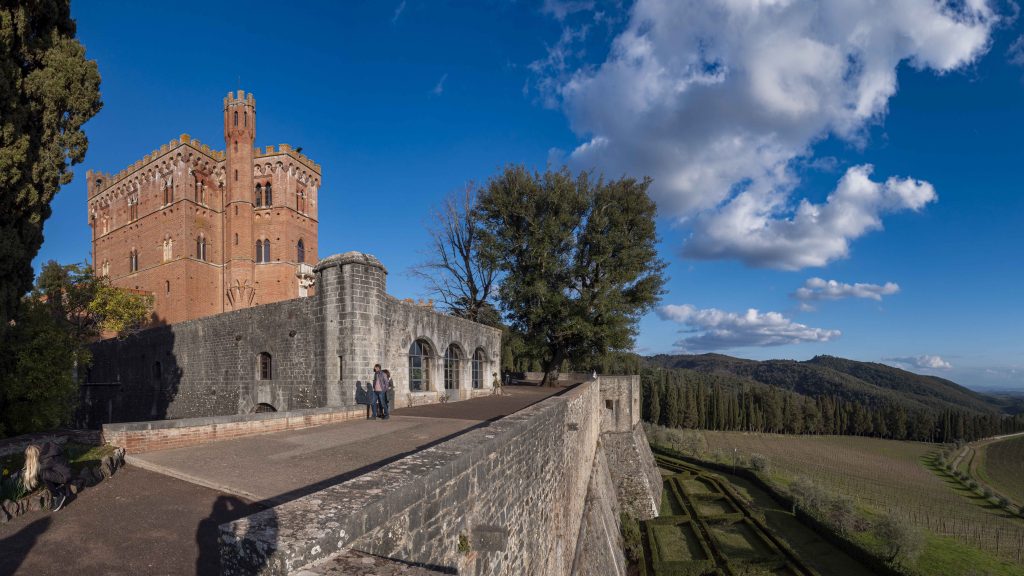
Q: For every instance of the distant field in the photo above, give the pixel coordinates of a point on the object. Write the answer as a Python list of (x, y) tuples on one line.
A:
[(1002, 466), (890, 477)]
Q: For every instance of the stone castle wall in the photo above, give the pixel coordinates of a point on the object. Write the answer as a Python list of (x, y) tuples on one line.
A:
[(321, 349), (531, 493)]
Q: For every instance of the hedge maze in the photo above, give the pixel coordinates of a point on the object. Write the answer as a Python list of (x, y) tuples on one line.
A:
[(706, 530)]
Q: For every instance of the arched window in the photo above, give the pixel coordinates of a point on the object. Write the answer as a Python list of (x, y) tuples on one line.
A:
[(420, 358), (168, 249), (300, 251), (266, 251), (168, 284), (201, 248), (265, 369), (479, 358), (452, 358), (236, 117), (106, 267), (259, 251), (259, 195), (270, 195), (133, 260)]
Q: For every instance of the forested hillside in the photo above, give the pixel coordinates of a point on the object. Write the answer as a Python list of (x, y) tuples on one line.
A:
[(824, 395)]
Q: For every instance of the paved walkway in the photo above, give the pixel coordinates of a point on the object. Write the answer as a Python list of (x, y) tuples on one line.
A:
[(276, 468), (136, 522), (140, 522)]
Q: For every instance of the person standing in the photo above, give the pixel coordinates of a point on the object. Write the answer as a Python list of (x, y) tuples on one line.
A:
[(46, 464), (380, 393)]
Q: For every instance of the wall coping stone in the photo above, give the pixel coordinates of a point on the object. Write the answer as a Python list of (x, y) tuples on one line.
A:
[(351, 257), (213, 420)]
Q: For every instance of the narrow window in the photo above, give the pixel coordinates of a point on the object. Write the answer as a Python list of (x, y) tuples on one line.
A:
[(236, 117), (266, 251), (236, 180), (478, 368), (341, 367), (236, 238), (452, 358), (168, 283), (259, 251), (265, 368), (236, 141), (259, 196), (245, 118), (269, 196), (301, 252)]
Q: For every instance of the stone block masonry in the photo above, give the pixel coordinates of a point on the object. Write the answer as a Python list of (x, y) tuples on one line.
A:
[(529, 494), (291, 355)]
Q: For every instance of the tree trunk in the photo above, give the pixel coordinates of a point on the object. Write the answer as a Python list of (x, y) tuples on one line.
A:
[(551, 368)]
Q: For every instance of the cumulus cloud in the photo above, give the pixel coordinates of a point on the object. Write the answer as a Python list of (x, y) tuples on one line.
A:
[(820, 289), (923, 362), (718, 101), (715, 329)]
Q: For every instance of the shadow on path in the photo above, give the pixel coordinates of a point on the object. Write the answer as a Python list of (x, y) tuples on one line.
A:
[(16, 547)]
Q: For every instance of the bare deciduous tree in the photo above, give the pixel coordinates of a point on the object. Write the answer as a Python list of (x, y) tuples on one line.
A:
[(454, 272)]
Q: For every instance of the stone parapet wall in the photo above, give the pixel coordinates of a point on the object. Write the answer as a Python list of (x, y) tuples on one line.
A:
[(152, 436), (536, 492), (507, 498)]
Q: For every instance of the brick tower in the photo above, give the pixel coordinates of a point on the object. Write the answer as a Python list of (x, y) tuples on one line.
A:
[(240, 258), (207, 231)]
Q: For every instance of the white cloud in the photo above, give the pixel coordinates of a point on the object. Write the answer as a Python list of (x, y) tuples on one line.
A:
[(719, 100), (562, 8), (398, 12), (820, 289), (923, 362), (716, 329), (439, 87)]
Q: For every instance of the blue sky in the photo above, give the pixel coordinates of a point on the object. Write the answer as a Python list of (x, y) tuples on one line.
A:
[(871, 146)]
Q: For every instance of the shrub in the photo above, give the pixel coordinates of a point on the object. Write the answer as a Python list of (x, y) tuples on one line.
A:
[(902, 542), (759, 463)]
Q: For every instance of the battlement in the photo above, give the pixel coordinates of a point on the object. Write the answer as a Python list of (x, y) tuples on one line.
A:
[(100, 181), (231, 98), (286, 150)]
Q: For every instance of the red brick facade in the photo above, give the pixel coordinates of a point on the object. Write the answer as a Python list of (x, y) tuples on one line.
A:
[(192, 225)]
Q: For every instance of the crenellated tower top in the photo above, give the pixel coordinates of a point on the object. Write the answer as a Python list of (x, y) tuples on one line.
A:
[(239, 119)]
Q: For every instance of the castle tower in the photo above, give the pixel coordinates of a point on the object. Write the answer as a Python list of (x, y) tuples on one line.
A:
[(239, 249), (352, 288)]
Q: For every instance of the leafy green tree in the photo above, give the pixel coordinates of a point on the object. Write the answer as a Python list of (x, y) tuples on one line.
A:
[(578, 257), (902, 542), (48, 344), (48, 90), (37, 386)]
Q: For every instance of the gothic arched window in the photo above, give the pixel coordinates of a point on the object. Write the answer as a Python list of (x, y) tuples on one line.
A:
[(300, 250), (133, 260), (266, 251), (236, 123), (201, 248), (259, 195), (269, 195), (259, 251)]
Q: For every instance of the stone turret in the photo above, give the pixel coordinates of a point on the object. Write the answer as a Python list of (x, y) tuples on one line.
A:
[(351, 288)]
